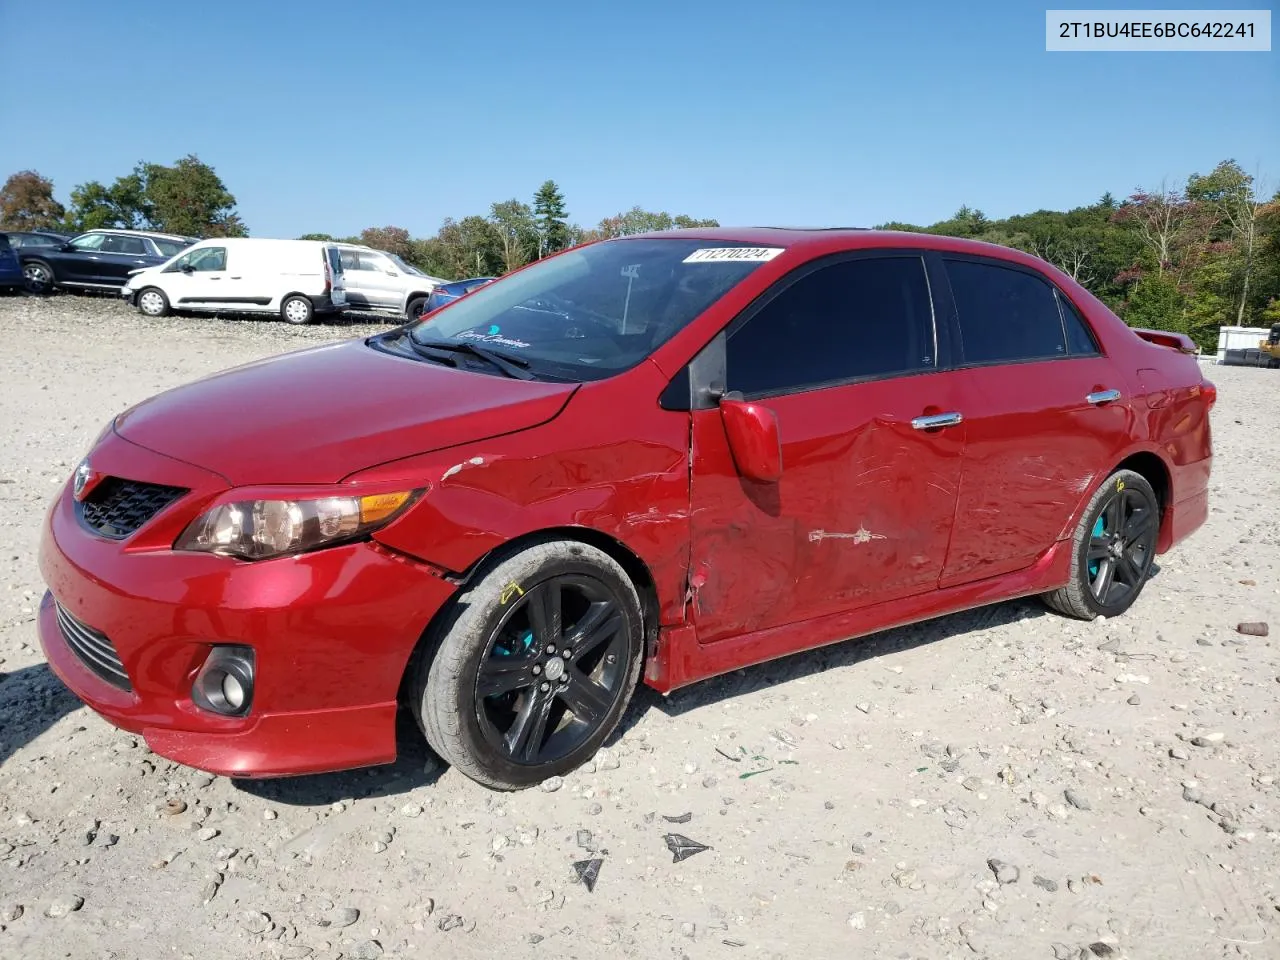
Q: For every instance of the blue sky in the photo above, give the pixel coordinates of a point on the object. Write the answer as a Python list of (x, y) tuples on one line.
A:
[(331, 117)]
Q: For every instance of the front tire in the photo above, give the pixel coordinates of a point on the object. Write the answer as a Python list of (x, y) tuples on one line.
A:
[(417, 306), (533, 666), (1112, 551), (297, 309), (153, 303)]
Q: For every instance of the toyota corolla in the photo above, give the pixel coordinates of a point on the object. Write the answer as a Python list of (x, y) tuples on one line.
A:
[(652, 459)]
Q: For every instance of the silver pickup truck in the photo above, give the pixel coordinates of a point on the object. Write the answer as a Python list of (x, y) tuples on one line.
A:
[(381, 282)]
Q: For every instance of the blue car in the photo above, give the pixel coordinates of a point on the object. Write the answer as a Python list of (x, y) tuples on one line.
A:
[(448, 292), (10, 269)]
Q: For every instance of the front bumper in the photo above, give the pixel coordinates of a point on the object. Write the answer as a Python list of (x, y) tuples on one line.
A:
[(332, 630)]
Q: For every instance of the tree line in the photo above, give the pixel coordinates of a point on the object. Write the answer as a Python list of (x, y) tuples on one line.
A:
[(1190, 256)]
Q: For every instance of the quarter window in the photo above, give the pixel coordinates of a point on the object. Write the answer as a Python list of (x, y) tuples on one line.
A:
[(168, 248), (851, 320), (1080, 341), (1005, 315)]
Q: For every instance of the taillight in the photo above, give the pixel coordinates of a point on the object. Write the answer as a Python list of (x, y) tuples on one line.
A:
[(328, 275), (1210, 393)]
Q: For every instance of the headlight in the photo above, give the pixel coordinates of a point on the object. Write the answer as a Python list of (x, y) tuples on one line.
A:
[(258, 529)]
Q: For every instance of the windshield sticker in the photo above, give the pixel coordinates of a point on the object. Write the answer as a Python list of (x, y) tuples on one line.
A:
[(733, 254), (491, 338)]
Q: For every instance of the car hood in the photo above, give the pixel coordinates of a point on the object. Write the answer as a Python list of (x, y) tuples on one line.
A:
[(318, 415)]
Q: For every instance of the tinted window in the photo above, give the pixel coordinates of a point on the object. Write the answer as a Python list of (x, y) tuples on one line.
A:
[(130, 245), (335, 261), (1079, 340), (1004, 314), (38, 240), (4, 241), (856, 319), (169, 248), (90, 241)]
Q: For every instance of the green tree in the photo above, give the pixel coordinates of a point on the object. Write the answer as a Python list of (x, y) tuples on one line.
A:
[(188, 198), (553, 230), (518, 231), (27, 203), (391, 239), (316, 236), (1228, 192), (1156, 304)]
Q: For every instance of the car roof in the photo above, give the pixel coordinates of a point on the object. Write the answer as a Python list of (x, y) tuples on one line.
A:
[(143, 233), (822, 240)]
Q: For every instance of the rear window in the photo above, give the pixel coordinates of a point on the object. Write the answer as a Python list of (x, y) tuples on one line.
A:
[(4, 241), (335, 260), (170, 248)]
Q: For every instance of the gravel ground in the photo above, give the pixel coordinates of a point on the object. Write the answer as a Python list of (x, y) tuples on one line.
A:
[(1002, 783)]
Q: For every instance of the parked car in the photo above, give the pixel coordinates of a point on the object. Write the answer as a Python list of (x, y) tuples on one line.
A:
[(296, 279), (660, 457), (448, 292), (29, 239), (97, 260), (382, 282), (10, 269)]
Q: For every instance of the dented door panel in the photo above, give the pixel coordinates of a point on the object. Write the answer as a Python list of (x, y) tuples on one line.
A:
[(1035, 448), (862, 514)]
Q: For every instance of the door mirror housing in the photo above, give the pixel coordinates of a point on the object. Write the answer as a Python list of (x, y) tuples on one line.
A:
[(754, 441)]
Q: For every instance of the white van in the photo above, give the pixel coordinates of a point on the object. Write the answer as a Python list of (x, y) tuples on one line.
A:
[(295, 279)]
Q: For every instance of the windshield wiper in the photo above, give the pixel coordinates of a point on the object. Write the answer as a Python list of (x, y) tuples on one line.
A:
[(516, 367)]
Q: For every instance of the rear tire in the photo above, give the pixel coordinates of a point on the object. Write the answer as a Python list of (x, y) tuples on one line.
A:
[(39, 276), (152, 302), (1112, 551), (555, 634), (297, 309)]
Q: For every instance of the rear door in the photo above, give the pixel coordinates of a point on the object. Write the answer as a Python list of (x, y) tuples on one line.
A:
[(10, 271), (1044, 412), (845, 354), (119, 254)]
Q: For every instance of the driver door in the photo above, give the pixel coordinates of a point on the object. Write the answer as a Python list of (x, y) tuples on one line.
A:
[(199, 279), (845, 357)]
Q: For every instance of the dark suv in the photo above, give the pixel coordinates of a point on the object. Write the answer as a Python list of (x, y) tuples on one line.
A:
[(98, 259)]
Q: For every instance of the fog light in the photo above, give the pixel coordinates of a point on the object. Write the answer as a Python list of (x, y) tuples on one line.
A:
[(225, 683)]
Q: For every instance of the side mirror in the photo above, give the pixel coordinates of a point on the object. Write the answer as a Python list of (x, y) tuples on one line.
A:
[(752, 430), (68, 248), (187, 269)]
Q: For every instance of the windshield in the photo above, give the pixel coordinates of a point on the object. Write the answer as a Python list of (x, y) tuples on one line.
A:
[(405, 267), (590, 313)]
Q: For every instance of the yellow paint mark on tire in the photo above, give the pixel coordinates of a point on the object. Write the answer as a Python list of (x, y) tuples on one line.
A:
[(509, 592)]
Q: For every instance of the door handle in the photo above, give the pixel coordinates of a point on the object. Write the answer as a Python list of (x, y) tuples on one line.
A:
[(936, 420), (1103, 396)]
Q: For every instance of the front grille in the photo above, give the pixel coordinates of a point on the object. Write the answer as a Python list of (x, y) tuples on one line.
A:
[(94, 648), (116, 507)]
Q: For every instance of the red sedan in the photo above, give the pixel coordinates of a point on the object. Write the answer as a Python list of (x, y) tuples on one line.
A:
[(659, 457)]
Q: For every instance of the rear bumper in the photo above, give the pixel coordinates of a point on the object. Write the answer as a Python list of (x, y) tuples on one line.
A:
[(323, 303)]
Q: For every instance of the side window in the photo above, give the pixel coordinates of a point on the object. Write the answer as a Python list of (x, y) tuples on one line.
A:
[(129, 245), (374, 262), (208, 259), (167, 248), (89, 242), (350, 260), (1005, 315), (1080, 342), (855, 319)]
